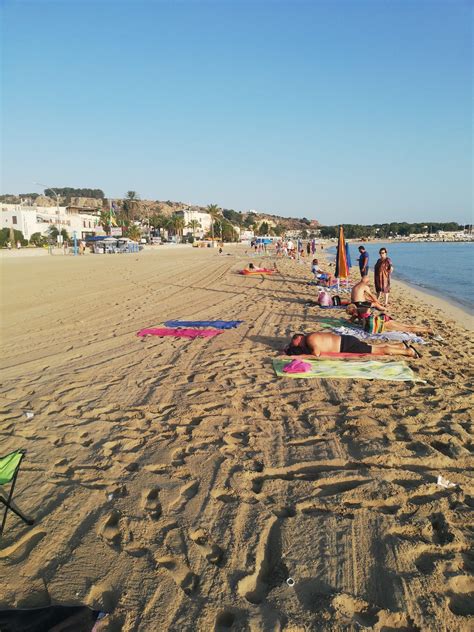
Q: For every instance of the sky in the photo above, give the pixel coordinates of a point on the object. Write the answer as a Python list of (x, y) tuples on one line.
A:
[(354, 111)]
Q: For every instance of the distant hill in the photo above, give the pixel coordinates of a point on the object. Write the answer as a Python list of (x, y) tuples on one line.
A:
[(141, 209)]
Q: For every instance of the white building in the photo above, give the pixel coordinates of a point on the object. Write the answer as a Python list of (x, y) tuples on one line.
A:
[(193, 215), (245, 235), (38, 219)]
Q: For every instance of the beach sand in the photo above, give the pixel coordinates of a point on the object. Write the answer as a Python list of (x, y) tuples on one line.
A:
[(178, 484)]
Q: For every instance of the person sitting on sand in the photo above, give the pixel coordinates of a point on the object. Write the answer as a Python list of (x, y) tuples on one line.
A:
[(376, 324), (362, 297), (317, 343), (316, 270)]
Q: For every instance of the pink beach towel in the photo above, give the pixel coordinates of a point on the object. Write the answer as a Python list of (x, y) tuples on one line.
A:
[(297, 366), (180, 333)]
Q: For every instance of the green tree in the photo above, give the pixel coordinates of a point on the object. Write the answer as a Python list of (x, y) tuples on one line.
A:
[(177, 224), (133, 232), (214, 212), (104, 220), (6, 236), (263, 229), (53, 233), (279, 230), (130, 204), (233, 216), (38, 240), (158, 221), (193, 224), (228, 232)]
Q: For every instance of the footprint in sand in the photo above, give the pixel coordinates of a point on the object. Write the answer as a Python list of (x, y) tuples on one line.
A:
[(20, 550), (151, 503), (110, 529), (356, 610), (182, 575), (62, 467), (212, 552), (224, 621), (186, 492)]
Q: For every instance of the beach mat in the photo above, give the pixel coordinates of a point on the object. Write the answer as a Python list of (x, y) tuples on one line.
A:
[(337, 369), (179, 333), (51, 619), (217, 324)]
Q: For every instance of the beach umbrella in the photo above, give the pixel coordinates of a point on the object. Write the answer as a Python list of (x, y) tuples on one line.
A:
[(342, 269)]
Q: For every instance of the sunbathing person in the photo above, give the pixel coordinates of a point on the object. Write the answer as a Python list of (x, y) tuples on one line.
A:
[(317, 343), (376, 324), (362, 297)]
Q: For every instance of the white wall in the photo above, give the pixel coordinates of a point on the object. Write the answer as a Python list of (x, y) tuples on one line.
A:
[(39, 219)]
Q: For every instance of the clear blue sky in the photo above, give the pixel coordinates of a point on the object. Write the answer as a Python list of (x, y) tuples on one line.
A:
[(355, 111)]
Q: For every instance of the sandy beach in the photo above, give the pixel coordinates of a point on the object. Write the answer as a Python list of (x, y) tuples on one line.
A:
[(178, 484)]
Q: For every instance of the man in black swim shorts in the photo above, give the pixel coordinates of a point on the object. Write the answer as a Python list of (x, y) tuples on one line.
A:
[(322, 343), (351, 344)]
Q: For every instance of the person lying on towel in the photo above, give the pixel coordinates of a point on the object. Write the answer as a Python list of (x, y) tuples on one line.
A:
[(317, 343), (362, 297), (253, 268), (378, 323)]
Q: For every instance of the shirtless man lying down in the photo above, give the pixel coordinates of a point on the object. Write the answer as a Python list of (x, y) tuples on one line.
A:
[(315, 344)]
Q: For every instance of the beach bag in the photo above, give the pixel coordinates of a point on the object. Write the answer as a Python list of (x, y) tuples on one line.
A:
[(324, 299)]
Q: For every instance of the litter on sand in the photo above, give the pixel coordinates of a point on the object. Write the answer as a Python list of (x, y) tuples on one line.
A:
[(443, 482)]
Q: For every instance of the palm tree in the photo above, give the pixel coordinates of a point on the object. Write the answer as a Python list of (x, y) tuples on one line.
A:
[(131, 198), (214, 212), (177, 223), (158, 221), (134, 232), (193, 225)]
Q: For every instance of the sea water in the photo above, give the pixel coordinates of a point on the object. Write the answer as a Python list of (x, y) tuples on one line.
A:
[(441, 268)]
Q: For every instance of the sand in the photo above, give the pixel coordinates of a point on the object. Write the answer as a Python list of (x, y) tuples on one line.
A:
[(178, 484)]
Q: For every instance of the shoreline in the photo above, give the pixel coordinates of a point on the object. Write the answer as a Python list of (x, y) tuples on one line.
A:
[(458, 313)]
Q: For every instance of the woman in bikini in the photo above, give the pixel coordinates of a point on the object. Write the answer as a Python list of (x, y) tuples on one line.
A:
[(376, 324)]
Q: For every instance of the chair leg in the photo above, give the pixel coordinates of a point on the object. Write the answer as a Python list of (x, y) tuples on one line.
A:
[(8, 506), (20, 514)]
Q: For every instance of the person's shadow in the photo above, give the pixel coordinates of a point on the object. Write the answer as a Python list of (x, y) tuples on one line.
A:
[(277, 344)]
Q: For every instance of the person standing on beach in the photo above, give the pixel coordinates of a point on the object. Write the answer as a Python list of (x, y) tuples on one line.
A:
[(382, 271), (363, 261)]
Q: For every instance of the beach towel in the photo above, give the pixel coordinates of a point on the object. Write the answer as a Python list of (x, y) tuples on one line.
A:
[(334, 306), (180, 333), (335, 369), (217, 324), (327, 322), (389, 336)]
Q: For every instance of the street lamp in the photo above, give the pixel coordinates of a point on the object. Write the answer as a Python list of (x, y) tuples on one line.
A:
[(57, 207)]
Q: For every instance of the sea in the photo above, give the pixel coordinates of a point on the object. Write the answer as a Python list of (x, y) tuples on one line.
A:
[(444, 269)]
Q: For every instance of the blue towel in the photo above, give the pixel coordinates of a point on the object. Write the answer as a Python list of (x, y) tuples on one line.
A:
[(218, 324)]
